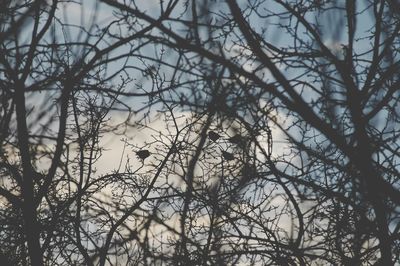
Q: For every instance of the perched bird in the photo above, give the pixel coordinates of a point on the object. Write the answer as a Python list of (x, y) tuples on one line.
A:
[(143, 154), (173, 149), (227, 156), (237, 139), (213, 135), (249, 171), (176, 148)]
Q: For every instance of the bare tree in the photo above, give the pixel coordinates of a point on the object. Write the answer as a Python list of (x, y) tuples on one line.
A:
[(325, 74), (272, 132), (63, 79)]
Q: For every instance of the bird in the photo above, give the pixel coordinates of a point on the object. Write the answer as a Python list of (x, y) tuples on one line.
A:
[(237, 139), (175, 148), (227, 156), (213, 135), (143, 154), (249, 171)]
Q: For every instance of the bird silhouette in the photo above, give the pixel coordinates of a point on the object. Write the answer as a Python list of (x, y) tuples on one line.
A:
[(213, 135), (227, 156), (143, 154), (237, 139)]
